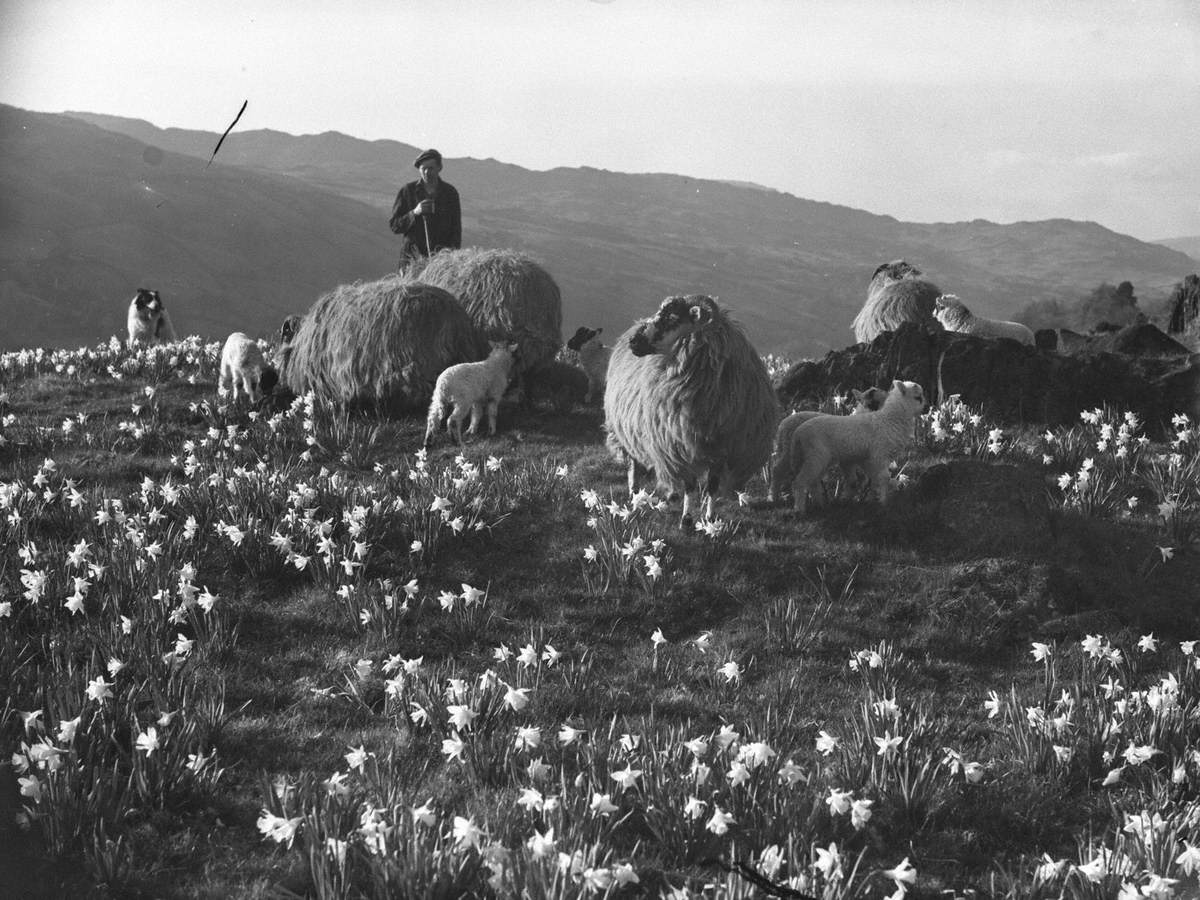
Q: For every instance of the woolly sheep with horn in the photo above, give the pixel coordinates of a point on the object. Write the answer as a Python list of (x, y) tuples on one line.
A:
[(689, 398)]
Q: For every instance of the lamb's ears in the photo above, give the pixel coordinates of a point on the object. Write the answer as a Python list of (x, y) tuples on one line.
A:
[(898, 385), (857, 395)]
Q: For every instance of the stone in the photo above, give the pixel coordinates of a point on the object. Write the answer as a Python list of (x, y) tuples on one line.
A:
[(1012, 382)]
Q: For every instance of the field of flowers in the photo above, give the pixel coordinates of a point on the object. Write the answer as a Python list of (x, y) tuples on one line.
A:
[(279, 652)]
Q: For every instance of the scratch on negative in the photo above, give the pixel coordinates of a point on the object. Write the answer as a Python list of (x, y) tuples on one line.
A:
[(226, 134)]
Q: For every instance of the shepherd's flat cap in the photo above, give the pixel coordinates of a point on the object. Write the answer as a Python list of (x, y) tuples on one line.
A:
[(426, 156)]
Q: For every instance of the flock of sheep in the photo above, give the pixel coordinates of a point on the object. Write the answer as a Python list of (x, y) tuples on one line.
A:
[(686, 396)]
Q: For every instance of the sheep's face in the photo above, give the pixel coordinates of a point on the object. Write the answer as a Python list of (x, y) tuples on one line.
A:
[(582, 335), (869, 400), (896, 270), (908, 393), (949, 310), (675, 319), (288, 329)]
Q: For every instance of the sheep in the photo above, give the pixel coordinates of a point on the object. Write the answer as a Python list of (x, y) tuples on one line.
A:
[(507, 294), (689, 398), (870, 439), (897, 293), (147, 321), (954, 316), (379, 345), (470, 387), (243, 365), (593, 357), (784, 468)]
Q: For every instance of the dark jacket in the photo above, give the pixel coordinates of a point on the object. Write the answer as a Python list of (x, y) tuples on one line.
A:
[(445, 225)]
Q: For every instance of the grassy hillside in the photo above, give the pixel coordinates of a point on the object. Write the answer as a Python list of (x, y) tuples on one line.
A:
[(794, 270), (90, 215), (276, 652)]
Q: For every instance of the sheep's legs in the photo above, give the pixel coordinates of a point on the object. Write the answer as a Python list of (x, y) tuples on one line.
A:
[(631, 475), (685, 517), (712, 488)]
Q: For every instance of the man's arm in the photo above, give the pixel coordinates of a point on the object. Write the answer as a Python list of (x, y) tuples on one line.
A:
[(402, 218), (456, 222)]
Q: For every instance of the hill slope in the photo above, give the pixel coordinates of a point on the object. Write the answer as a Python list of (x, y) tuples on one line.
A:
[(794, 270), (1188, 245), (89, 215)]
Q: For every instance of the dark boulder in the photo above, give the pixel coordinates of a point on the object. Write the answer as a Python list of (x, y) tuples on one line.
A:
[(1009, 381), (1045, 339), (1136, 340)]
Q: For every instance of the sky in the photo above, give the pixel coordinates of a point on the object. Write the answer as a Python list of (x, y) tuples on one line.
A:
[(928, 110)]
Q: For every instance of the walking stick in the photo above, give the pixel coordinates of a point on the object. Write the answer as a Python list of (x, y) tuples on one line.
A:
[(428, 246)]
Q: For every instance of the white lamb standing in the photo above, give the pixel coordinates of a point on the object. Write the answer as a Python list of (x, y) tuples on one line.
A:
[(871, 439), (243, 365), (954, 316), (783, 468), (471, 387), (593, 358)]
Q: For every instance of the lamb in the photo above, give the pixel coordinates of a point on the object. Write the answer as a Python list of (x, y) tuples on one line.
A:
[(689, 398), (897, 293), (593, 357), (243, 365), (871, 439), (954, 316), (783, 469), (147, 320), (469, 387)]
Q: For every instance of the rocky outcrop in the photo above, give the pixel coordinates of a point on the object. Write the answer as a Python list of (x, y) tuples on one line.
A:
[(1013, 382)]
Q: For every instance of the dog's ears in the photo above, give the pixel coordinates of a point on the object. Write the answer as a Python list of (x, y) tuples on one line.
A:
[(700, 314), (898, 385), (856, 394)]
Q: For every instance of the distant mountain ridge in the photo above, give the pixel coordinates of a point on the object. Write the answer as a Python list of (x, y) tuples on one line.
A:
[(1189, 245), (793, 271)]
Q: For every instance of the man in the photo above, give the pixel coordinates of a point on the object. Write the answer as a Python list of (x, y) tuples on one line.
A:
[(427, 212)]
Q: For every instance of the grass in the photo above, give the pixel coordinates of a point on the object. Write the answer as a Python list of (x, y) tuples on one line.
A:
[(374, 673)]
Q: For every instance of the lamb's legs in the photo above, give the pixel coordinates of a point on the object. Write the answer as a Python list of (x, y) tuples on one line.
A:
[(476, 418)]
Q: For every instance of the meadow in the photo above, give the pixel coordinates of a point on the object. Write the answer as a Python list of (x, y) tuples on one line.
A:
[(280, 652)]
